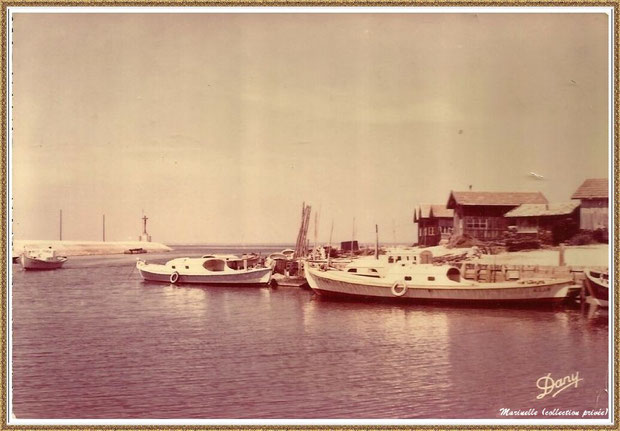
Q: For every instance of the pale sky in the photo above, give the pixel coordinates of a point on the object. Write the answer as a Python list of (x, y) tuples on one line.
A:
[(219, 126)]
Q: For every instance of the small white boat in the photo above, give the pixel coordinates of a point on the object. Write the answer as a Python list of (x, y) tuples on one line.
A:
[(431, 283), (43, 259), (204, 270), (597, 286)]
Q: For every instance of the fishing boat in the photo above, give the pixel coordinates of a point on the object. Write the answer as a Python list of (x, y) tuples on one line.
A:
[(208, 269), (42, 259), (432, 283), (597, 286)]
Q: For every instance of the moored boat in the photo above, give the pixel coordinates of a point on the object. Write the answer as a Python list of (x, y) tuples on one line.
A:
[(204, 270), (431, 283), (44, 259), (597, 286)]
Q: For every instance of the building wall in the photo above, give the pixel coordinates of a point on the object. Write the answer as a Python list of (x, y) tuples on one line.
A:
[(482, 222), (594, 214), (428, 232)]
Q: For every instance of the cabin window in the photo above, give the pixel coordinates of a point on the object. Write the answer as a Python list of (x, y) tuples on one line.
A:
[(214, 265), (407, 278), (372, 270), (390, 259), (174, 267), (454, 274), (186, 267), (352, 270), (430, 278)]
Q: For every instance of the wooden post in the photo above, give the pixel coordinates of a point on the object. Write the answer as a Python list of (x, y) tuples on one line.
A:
[(377, 242)]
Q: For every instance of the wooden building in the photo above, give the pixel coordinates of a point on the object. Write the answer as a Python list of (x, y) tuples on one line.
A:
[(434, 224), (594, 208), (481, 214), (561, 220)]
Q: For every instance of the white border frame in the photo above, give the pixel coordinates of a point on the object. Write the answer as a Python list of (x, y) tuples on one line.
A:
[(11, 420)]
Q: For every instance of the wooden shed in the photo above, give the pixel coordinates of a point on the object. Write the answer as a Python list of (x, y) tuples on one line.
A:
[(561, 220), (481, 214), (594, 208), (434, 223)]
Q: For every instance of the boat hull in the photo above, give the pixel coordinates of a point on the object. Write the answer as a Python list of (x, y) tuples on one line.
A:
[(41, 265), (598, 289), (250, 277), (476, 294)]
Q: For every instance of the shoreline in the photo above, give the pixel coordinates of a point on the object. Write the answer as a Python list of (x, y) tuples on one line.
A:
[(88, 248)]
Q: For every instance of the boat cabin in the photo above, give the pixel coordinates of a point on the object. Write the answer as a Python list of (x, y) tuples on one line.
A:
[(208, 262), (424, 274)]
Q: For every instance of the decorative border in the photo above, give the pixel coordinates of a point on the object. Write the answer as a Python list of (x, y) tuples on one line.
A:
[(4, 129)]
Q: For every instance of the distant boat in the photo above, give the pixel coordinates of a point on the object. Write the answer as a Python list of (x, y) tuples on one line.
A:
[(597, 285), (431, 283), (43, 259), (135, 251), (205, 270)]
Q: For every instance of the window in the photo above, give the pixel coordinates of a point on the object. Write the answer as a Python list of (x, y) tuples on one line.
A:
[(431, 278), (352, 270), (476, 223), (407, 278)]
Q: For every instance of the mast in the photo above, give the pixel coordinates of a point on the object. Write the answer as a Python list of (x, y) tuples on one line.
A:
[(353, 236), (329, 253), (104, 228), (61, 225), (376, 241)]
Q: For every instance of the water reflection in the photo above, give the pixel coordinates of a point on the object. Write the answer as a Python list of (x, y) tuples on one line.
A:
[(100, 344)]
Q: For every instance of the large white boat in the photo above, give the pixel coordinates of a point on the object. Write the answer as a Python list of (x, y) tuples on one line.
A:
[(431, 283), (204, 270), (43, 259)]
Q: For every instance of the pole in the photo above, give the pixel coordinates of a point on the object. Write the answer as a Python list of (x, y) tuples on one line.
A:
[(61, 225), (104, 228), (329, 253), (353, 236), (377, 242)]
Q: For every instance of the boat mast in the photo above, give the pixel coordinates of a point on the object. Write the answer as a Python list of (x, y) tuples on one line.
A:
[(329, 253), (104, 228), (61, 225), (353, 237), (377, 241)]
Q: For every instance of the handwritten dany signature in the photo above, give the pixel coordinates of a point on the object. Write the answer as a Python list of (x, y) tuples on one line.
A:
[(548, 385)]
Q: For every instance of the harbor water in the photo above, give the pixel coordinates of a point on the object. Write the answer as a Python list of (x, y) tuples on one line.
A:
[(93, 341)]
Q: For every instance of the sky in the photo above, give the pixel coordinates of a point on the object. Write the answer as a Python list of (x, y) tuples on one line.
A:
[(219, 127)]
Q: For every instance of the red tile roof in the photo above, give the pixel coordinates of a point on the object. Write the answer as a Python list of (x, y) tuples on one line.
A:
[(593, 188), (440, 211), (495, 198), (537, 210), (434, 210)]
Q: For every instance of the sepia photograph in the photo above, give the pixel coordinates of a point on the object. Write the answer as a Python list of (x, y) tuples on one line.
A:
[(330, 216)]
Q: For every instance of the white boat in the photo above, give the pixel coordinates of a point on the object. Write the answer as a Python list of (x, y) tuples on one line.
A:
[(43, 259), (431, 283), (204, 270), (597, 286)]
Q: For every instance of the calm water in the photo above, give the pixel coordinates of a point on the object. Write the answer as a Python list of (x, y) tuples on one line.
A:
[(93, 340)]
